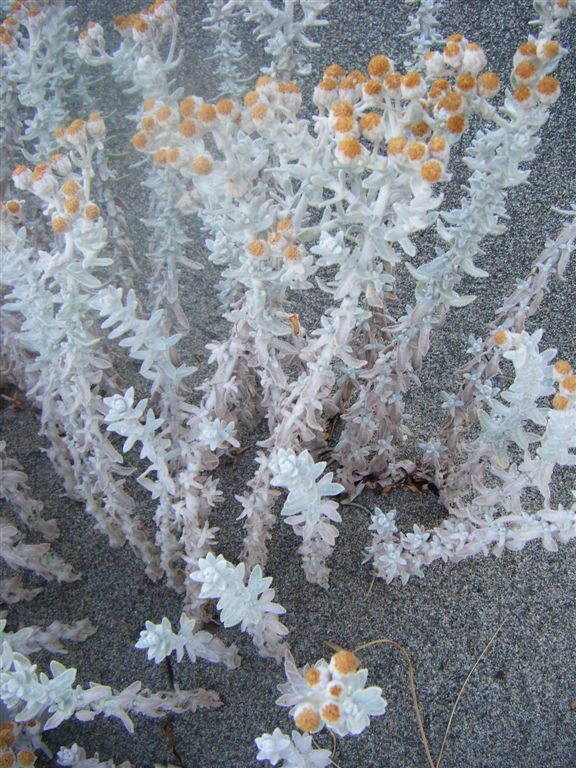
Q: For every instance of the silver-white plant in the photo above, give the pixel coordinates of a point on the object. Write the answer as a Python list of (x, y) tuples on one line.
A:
[(283, 29), (160, 640), (75, 757), (249, 604), (337, 199), (306, 510), (29, 695)]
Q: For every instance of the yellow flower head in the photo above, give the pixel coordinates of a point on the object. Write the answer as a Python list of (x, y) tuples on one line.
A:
[(251, 98), (416, 150), (224, 107), (331, 713), (91, 211), (258, 249), (501, 337), (307, 718), (206, 113), (71, 205), (188, 128), (187, 106), (560, 402), (312, 676), (488, 84), (344, 663), (139, 141), (26, 758), (334, 72), (378, 66), (342, 109), (202, 165), (396, 145), (292, 253), (71, 188), (350, 148), (431, 171), (14, 207), (60, 225), (562, 368)]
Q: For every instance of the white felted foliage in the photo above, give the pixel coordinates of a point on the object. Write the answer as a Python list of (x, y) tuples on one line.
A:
[(249, 604), (295, 751), (29, 695), (159, 640), (306, 509), (75, 757)]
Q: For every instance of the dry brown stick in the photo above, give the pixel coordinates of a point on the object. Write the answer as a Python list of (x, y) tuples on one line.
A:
[(464, 684), (168, 726), (404, 652), (423, 736)]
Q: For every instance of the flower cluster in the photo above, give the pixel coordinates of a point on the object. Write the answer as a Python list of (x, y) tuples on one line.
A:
[(419, 116), (38, 66), (136, 26), (331, 695), (62, 190), (19, 742), (564, 375), (139, 59), (533, 61), (282, 249), (187, 135)]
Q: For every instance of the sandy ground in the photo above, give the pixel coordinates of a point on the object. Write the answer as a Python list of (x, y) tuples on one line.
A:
[(516, 712)]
